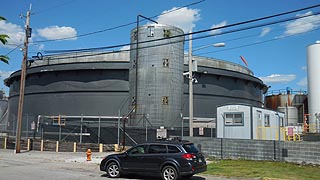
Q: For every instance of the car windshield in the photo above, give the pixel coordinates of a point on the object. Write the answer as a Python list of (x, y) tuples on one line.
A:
[(190, 148)]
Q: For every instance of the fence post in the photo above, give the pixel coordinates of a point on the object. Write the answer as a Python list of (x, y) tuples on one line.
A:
[(57, 146), (100, 147), (221, 148), (5, 143), (41, 145), (28, 146), (74, 147)]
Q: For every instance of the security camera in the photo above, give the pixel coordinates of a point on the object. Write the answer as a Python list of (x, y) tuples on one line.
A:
[(195, 81), (185, 74)]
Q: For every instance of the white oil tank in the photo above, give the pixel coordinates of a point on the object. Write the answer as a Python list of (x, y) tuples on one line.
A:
[(291, 115), (313, 65)]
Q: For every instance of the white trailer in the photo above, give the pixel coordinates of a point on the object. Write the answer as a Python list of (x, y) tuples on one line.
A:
[(241, 121)]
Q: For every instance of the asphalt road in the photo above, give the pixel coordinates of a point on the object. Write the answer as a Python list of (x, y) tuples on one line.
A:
[(35, 165)]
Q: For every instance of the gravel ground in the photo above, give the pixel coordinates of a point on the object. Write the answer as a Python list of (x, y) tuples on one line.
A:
[(36, 165)]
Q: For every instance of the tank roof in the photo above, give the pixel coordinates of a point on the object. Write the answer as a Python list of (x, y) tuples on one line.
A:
[(124, 56)]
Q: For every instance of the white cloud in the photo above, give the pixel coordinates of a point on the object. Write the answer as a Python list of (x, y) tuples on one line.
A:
[(183, 18), (304, 68), (5, 74), (124, 48), (56, 32), (303, 82), (278, 78), (303, 25), (265, 31), (15, 32), (217, 31)]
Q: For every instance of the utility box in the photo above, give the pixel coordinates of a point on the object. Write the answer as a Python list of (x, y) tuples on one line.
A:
[(162, 133)]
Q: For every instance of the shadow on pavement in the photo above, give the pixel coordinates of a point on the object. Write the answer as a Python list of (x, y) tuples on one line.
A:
[(133, 176)]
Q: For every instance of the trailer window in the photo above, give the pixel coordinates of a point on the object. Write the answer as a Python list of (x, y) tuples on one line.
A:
[(266, 120), (233, 119)]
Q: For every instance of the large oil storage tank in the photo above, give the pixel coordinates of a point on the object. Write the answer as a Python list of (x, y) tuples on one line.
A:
[(313, 64), (95, 86), (77, 84), (156, 81)]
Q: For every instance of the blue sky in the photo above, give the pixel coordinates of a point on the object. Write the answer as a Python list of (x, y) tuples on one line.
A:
[(275, 53)]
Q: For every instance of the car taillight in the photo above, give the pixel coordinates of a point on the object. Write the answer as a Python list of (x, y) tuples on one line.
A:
[(188, 156)]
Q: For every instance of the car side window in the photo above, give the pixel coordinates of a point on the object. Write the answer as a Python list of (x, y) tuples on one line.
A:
[(137, 150), (157, 148), (173, 149)]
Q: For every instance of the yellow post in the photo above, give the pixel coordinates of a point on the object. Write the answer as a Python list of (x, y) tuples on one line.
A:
[(100, 147), (5, 143), (28, 146), (57, 146), (74, 147), (41, 145)]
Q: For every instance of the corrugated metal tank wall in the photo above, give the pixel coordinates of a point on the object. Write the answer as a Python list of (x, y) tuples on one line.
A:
[(156, 88)]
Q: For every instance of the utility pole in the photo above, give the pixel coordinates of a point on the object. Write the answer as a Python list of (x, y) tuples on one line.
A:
[(190, 87), (22, 81)]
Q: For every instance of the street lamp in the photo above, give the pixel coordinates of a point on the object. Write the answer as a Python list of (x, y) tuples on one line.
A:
[(191, 79), (221, 44)]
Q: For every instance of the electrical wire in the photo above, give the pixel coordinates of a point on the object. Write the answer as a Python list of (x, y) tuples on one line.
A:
[(120, 26), (202, 31), (17, 46), (256, 26), (51, 8), (256, 43), (196, 38), (156, 45), (257, 34)]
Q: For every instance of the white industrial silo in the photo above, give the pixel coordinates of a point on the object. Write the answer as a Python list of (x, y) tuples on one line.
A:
[(313, 64)]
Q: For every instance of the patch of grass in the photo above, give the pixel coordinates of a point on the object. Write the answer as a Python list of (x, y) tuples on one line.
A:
[(263, 169)]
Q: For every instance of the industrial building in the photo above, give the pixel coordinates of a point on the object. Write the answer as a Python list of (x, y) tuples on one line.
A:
[(94, 94)]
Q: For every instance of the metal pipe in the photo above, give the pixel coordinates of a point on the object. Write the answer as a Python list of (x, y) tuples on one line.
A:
[(81, 128), (118, 129), (146, 131), (190, 88), (59, 132), (99, 130)]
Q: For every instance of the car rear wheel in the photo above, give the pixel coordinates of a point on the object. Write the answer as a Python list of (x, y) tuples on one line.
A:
[(113, 170), (169, 173)]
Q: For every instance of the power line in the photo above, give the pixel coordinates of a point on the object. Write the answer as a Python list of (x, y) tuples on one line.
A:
[(53, 7), (120, 26), (260, 25), (16, 47), (196, 38), (256, 43), (254, 35), (202, 31)]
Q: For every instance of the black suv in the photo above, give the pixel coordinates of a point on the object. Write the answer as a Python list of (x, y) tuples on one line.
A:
[(170, 159)]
